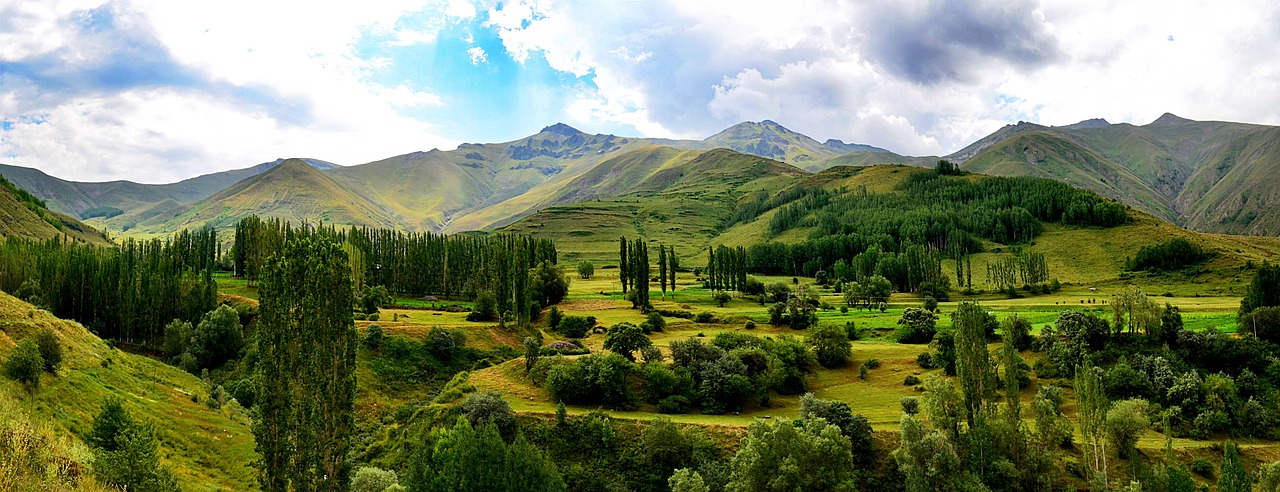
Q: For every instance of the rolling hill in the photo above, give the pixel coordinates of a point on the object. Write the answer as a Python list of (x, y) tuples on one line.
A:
[(1209, 176), (293, 190), (22, 216), (662, 194)]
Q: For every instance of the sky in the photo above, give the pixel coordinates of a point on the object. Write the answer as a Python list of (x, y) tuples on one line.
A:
[(156, 91)]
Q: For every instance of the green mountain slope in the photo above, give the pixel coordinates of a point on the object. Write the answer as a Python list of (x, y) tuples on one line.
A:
[(23, 216), (207, 449), (1210, 176), (681, 198), (1047, 154), (293, 190)]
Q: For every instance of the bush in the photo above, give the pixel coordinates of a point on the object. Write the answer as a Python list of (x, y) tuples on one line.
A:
[(656, 321), (362, 317), (924, 360), (704, 317), (851, 331), (374, 317), (750, 325), (50, 349), (673, 404), (576, 326), (1203, 468), (586, 269), (722, 298), (489, 407), (910, 405), (872, 363), (177, 334), (911, 380), (554, 317), (916, 326), (831, 345), (930, 304), (24, 364), (370, 479), (373, 337)]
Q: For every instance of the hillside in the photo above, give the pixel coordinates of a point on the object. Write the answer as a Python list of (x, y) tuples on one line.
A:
[(293, 190), (681, 198), (1209, 176), (74, 198), (25, 217), (205, 448), (1044, 154)]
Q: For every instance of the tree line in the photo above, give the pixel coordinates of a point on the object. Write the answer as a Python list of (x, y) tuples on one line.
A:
[(419, 264), (129, 292), (946, 217)]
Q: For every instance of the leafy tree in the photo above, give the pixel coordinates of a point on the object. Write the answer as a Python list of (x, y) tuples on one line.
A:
[(306, 369), (576, 326), (916, 326), (373, 479), (1091, 408), (586, 269), (1269, 476), (1017, 331), (928, 459), (373, 336), (532, 349), (554, 317), (441, 343), (24, 364), (177, 336), (125, 451), (218, 338), (135, 463), (489, 407), (50, 349), (831, 344), (548, 285), (1262, 323), (486, 307), (108, 424), (1234, 477), (877, 289), (1125, 421), (1264, 289), (783, 456), (624, 339), (476, 458), (374, 299), (686, 480), (854, 427), (778, 291)]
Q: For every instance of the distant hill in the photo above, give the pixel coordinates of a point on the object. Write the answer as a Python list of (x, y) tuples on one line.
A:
[(74, 197), (294, 190), (1205, 175), (23, 215), (1208, 176)]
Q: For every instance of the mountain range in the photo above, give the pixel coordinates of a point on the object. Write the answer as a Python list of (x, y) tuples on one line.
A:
[(1204, 175)]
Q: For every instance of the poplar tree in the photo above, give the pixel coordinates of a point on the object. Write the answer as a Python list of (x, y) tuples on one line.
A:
[(623, 261), (662, 269), (307, 343)]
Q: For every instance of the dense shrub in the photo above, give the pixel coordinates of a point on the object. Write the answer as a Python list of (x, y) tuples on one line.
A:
[(916, 326), (576, 326), (911, 380), (50, 349), (373, 337), (24, 364), (830, 344)]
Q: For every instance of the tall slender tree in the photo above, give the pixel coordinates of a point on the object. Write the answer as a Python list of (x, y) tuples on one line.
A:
[(623, 262), (662, 269), (307, 341)]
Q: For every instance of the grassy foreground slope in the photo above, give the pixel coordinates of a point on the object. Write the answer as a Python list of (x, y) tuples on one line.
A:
[(207, 449)]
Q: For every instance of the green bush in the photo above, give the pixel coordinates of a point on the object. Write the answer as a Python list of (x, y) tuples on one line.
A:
[(576, 326), (924, 360), (704, 317), (872, 363), (911, 380), (373, 336), (24, 364), (750, 325), (360, 316), (50, 349)]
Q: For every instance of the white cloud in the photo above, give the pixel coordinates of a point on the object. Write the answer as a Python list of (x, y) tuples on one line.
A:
[(477, 55)]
